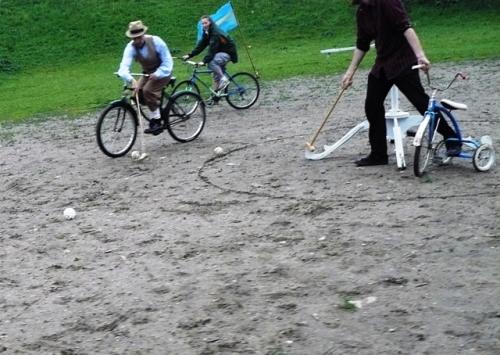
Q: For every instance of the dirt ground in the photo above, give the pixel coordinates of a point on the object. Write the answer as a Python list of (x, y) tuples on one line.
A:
[(258, 251)]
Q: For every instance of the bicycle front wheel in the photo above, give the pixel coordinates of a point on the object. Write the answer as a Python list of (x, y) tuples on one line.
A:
[(185, 116), (189, 86), (243, 90), (424, 151), (186, 85), (116, 129)]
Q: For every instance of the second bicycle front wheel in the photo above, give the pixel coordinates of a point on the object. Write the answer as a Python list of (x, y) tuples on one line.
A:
[(184, 116), (186, 85), (116, 129), (424, 151), (243, 90)]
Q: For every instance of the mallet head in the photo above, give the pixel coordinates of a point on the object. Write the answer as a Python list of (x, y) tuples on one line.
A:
[(310, 147)]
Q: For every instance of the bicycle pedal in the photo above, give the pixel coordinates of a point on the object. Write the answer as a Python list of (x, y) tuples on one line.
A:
[(214, 100)]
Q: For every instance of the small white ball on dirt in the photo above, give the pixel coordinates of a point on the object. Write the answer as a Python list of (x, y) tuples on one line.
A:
[(69, 213), (135, 155), (218, 151)]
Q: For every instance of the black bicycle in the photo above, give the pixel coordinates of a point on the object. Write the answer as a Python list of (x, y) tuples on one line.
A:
[(182, 114)]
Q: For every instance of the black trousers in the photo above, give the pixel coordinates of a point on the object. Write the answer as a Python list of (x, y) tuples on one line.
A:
[(410, 85)]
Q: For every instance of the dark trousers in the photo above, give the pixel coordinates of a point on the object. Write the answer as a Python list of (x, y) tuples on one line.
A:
[(409, 84)]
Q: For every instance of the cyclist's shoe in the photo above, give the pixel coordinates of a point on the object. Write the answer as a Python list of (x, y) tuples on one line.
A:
[(155, 127), (213, 100), (371, 160), (223, 83), (453, 148)]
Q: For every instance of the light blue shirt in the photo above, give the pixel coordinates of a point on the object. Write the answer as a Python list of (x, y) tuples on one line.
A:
[(165, 68)]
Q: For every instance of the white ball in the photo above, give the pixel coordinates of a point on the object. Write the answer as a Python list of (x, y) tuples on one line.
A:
[(135, 155), (69, 213), (218, 150)]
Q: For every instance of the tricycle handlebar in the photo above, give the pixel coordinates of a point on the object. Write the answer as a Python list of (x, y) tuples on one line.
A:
[(458, 75)]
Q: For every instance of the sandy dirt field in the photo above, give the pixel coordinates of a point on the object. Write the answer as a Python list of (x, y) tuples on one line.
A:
[(258, 251)]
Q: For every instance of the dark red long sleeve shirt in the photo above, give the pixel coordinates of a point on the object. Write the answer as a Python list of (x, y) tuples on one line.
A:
[(385, 21)]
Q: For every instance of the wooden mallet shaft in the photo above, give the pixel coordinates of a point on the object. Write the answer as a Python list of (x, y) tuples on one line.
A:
[(310, 145)]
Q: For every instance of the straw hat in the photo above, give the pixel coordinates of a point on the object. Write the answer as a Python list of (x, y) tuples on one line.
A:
[(135, 29)]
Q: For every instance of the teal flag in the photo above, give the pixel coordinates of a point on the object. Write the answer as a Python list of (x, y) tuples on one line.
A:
[(224, 18)]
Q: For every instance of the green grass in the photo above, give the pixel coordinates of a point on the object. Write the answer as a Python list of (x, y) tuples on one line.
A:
[(57, 57)]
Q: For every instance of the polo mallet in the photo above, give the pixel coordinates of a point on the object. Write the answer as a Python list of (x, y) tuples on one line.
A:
[(143, 154), (310, 145)]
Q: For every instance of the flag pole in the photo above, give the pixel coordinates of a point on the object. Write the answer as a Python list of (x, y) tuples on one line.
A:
[(244, 43)]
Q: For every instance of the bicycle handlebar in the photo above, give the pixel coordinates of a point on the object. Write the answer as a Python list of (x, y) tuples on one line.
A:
[(194, 64), (126, 87), (134, 74), (190, 62)]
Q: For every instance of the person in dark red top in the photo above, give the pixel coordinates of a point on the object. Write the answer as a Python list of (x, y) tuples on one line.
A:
[(398, 49)]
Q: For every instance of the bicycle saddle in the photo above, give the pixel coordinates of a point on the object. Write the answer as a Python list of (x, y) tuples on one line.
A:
[(452, 105)]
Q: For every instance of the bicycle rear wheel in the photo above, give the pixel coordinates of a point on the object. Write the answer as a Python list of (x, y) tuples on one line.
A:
[(185, 116), (424, 152), (243, 90), (483, 157), (116, 129)]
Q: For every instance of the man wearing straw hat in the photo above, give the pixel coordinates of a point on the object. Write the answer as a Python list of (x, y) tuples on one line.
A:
[(398, 49), (155, 58)]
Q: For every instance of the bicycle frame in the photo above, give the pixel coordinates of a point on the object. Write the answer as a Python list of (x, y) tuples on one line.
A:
[(130, 99), (195, 78)]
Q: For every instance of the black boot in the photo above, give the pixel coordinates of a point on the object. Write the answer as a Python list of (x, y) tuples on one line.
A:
[(453, 147), (372, 160), (155, 127)]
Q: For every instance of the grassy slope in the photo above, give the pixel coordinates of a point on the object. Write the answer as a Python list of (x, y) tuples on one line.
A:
[(58, 56)]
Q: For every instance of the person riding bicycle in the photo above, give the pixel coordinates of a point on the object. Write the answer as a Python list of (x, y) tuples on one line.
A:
[(398, 49), (155, 58), (221, 50)]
